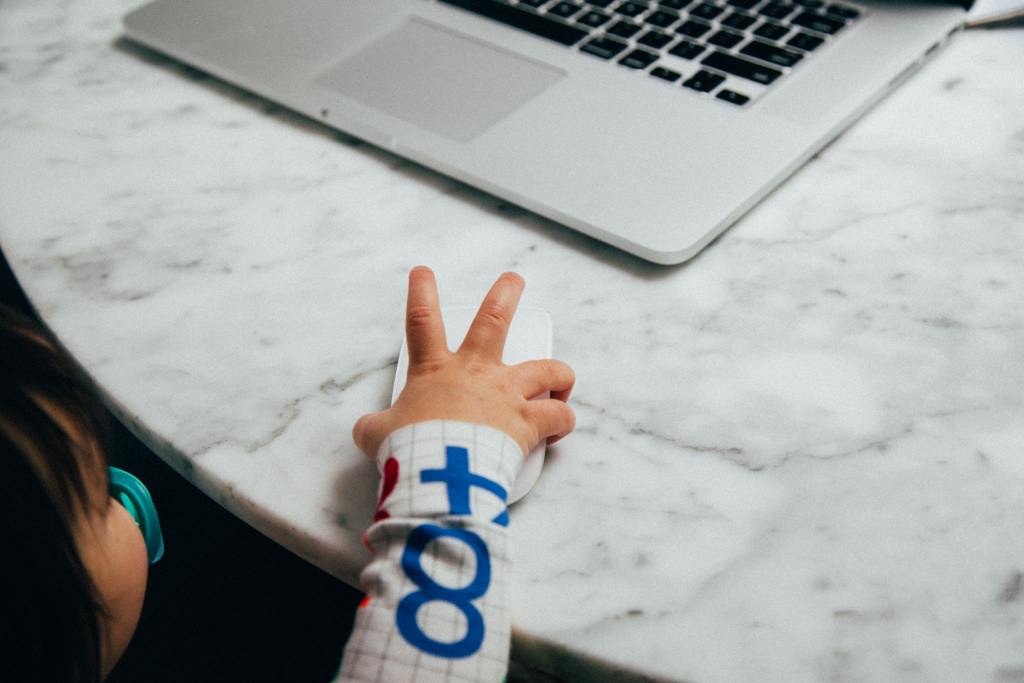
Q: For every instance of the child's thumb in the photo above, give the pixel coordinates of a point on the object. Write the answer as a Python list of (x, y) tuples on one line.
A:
[(367, 434)]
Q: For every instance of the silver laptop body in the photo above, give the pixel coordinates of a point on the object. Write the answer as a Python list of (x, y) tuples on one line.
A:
[(649, 165)]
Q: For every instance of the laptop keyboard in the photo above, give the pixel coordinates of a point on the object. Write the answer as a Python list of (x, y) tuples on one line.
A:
[(732, 50)]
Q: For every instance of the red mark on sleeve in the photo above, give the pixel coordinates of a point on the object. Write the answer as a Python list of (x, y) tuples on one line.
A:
[(390, 479)]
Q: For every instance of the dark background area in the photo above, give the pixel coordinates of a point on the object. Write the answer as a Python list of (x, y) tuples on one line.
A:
[(225, 603)]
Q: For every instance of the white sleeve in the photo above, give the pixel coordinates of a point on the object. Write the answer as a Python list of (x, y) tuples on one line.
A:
[(436, 588)]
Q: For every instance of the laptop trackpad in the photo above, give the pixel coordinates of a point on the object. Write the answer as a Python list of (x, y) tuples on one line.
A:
[(448, 83)]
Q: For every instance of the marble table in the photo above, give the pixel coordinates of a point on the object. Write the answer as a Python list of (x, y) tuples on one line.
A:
[(800, 457)]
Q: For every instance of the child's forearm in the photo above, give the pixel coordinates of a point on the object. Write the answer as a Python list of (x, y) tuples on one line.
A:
[(436, 607)]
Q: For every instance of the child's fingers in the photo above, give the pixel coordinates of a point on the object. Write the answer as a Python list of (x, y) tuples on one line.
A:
[(562, 394), (535, 377), (424, 327), (486, 336), (551, 417)]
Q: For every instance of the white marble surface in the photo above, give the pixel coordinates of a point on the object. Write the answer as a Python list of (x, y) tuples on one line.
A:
[(799, 458)]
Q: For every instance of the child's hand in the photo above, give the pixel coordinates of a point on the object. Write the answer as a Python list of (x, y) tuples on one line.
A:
[(472, 384)]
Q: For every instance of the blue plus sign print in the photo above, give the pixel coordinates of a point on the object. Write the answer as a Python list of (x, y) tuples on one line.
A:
[(459, 480)]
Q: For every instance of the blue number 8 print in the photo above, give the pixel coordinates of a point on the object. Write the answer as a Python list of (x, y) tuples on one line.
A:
[(430, 590)]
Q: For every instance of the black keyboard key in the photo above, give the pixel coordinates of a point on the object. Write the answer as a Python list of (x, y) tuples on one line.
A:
[(639, 59), (655, 39), (706, 11), (810, 4), (732, 96), (665, 74), (704, 81), (524, 20), (532, 3), (662, 19), (805, 41), (564, 9), (725, 39), (600, 3), (818, 22), (738, 21), (631, 9), (624, 29), (743, 4), (605, 48), (771, 31), (776, 10), (741, 67), (693, 29), (593, 18), (675, 4), (771, 54), (843, 11), (686, 49)]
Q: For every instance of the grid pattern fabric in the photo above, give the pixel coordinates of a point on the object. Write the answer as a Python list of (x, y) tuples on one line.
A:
[(440, 486)]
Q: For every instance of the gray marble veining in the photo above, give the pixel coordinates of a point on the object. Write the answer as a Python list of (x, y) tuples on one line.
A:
[(799, 458)]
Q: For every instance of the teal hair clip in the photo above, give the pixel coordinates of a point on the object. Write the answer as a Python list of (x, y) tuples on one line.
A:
[(127, 490)]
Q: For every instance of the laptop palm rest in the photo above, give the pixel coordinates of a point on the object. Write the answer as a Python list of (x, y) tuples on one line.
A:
[(434, 78)]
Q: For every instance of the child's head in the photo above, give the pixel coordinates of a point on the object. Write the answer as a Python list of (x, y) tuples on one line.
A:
[(74, 569)]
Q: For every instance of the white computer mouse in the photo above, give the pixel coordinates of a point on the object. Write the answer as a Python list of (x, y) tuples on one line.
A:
[(529, 338)]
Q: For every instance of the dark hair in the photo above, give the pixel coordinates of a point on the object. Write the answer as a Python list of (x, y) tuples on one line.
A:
[(51, 464)]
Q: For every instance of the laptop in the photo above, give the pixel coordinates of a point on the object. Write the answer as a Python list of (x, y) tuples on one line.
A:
[(652, 126)]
